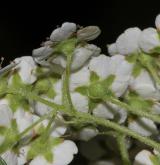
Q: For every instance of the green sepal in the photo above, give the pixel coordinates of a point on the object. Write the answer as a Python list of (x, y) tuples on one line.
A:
[(131, 58), (66, 47), (10, 135), (138, 103), (43, 147), (100, 89), (18, 101), (155, 159), (155, 50), (83, 90), (94, 77), (137, 70)]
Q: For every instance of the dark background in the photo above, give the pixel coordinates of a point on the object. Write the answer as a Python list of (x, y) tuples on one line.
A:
[(24, 25)]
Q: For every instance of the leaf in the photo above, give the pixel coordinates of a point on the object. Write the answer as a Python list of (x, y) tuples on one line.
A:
[(2, 162), (94, 77)]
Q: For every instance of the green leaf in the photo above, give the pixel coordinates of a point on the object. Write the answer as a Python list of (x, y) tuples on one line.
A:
[(42, 146), (82, 90), (137, 70), (94, 77), (2, 162)]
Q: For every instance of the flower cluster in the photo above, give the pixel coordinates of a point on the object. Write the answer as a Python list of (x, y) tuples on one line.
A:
[(68, 92)]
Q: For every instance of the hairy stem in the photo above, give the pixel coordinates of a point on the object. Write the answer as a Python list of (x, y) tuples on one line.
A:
[(121, 141), (126, 107)]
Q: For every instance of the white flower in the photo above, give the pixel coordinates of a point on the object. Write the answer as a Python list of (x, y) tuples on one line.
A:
[(42, 53), (80, 78), (63, 32), (26, 68), (63, 154), (110, 111), (144, 86), (115, 65), (104, 162), (112, 49), (157, 22), (10, 157), (80, 57), (80, 102), (143, 158), (40, 108), (143, 126), (23, 120), (127, 42), (6, 115), (87, 133), (149, 40)]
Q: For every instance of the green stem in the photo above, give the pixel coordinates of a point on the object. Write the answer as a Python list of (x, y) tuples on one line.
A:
[(153, 117), (120, 129), (96, 120), (67, 102), (122, 148)]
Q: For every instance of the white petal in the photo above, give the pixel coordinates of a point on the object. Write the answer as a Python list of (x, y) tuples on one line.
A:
[(100, 65), (143, 126), (127, 42), (42, 109), (80, 78), (104, 162), (64, 152), (82, 54), (143, 158), (23, 119), (6, 115), (112, 49), (80, 102), (42, 52), (40, 160), (157, 22), (9, 157), (144, 86), (64, 32), (149, 39), (26, 69), (22, 156), (87, 133), (102, 110), (59, 128)]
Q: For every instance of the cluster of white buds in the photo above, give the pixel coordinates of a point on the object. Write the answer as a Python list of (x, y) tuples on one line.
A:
[(67, 91)]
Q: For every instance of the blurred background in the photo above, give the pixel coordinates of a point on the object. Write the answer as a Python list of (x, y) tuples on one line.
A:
[(24, 26)]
